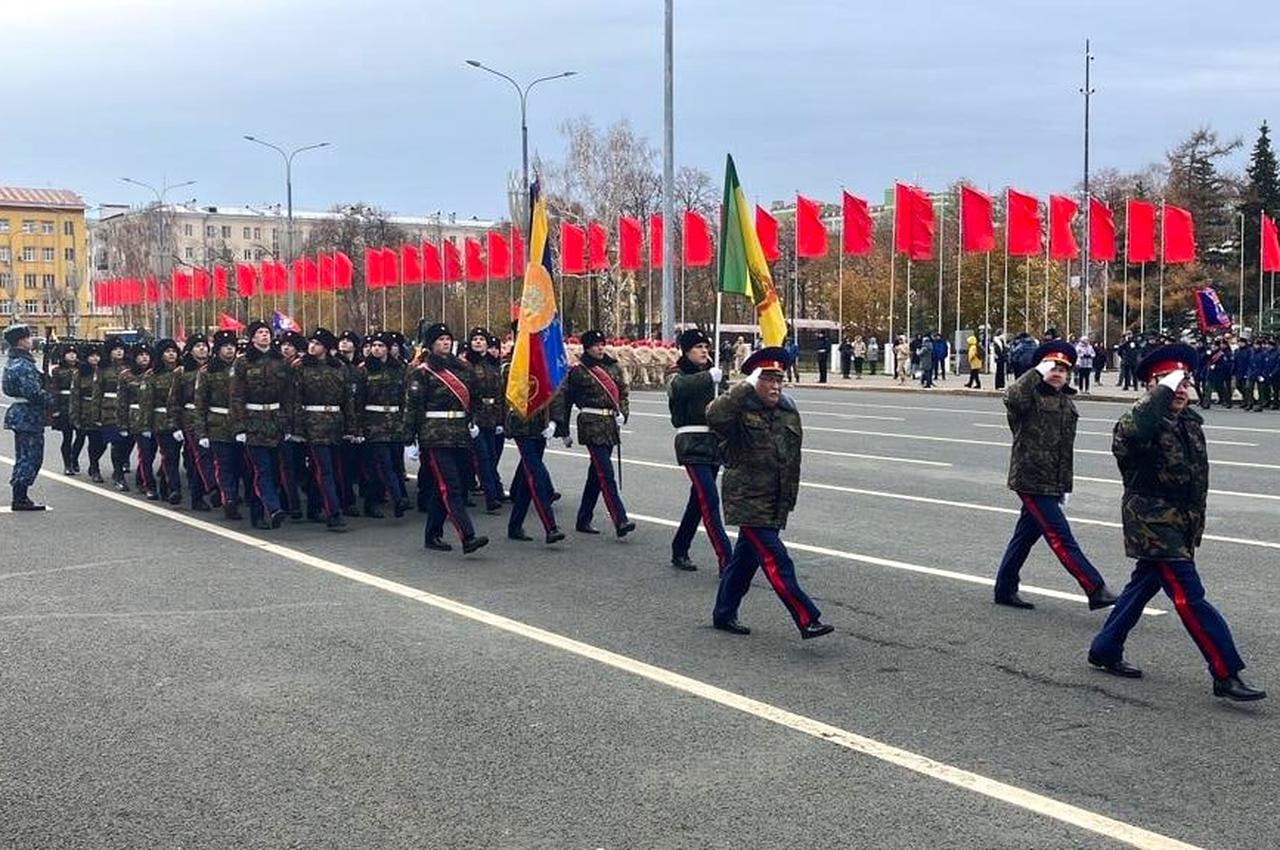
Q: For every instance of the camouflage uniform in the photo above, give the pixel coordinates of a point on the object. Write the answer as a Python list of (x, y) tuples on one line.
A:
[(440, 421), (380, 407), (86, 416), (25, 417), (599, 431), (161, 401), (61, 380), (107, 389), (487, 413), (689, 391), (201, 479), (260, 409), (212, 422), (324, 416), (135, 385)]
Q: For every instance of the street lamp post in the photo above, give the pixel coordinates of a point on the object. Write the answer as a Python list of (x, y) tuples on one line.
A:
[(162, 326), (523, 93), (288, 192)]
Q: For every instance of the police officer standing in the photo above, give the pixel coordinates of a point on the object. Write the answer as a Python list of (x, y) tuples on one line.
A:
[(1160, 448), (1043, 418), (28, 401), (596, 386), (692, 387), (761, 433)]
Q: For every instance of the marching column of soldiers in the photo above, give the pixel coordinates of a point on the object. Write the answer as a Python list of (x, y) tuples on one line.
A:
[(266, 420)]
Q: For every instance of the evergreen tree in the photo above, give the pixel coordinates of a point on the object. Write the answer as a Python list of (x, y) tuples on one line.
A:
[(1262, 192)]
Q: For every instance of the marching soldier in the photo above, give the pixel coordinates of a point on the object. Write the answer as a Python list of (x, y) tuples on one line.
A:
[(379, 404), (161, 403), (348, 466), (1043, 418), (86, 410), (260, 406), (198, 458), (324, 417), (596, 386), (292, 470), (531, 484), (760, 430), (135, 384), (437, 415), (212, 423), (693, 386), (28, 401), (486, 414), (1160, 448), (61, 378), (115, 428)]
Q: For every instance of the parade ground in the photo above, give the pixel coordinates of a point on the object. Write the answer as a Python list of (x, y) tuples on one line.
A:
[(174, 680)]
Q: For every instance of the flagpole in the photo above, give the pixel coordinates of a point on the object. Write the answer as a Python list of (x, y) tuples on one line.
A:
[(1160, 292), (893, 268), (1046, 269), (488, 307), (1066, 284), (1261, 236), (959, 263), (1106, 288), (840, 275), (384, 318), (986, 315), (1004, 315), (795, 277), (422, 293), (942, 226), (1026, 294), (1142, 296), (908, 318), (1240, 302)]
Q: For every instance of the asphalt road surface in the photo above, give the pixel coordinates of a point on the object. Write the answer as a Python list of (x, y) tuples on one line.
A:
[(171, 680)]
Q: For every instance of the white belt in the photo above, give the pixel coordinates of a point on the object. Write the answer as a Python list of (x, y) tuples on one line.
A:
[(221, 410), (275, 405), (64, 392), (597, 411), (693, 429), (135, 407), (109, 395), (383, 408), (159, 410), (321, 408), (446, 414), (489, 400), (14, 401), (189, 406)]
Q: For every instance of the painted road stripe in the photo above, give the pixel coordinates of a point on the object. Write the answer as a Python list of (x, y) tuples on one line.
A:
[(1108, 434), (957, 777)]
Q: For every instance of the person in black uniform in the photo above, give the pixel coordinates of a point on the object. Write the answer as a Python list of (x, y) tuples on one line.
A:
[(822, 356), (291, 470), (379, 404), (349, 468), (693, 384), (486, 414), (61, 377), (598, 389)]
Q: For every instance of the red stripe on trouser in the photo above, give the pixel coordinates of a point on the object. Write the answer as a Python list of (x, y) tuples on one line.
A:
[(1198, 634), (604, 489), (319, 476), (1055, 543), (547, 524), (444, 491), (772, 573), (708, 521), (145, 474), (195, 460), (257, 479), (227, 495)]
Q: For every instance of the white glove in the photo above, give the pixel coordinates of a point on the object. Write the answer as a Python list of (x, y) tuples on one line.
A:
[(753, 378), (474, 431), (178, 436), (411, 452), (1044, 367), (147, 434), (294, 438), (240, 438), (549, 431), (124, 433), (1065, 500), (620, 419), (716, 374), (568, 441), (1174, 379), (204, 442), (357, 439), (498, 430)]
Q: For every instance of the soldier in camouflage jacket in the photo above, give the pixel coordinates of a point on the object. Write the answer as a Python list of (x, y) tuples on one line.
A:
[(135, 387), (114, 428), (261, 404), (324, 417), (61, 379), (86, 411), (201, 478), (1043, 418), (596, 386), (212, 422), (161, 401), (487, 413), (1160, 447), (380, 380), (760, 434)]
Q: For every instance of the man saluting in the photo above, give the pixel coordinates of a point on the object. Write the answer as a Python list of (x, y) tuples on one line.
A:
[(760, 432)]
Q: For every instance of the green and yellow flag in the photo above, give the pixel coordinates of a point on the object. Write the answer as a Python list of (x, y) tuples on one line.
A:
[(743, 268)]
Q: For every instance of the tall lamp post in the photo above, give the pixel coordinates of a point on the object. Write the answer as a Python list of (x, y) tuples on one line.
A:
[(288, 156), (523, 93), (162, 325)]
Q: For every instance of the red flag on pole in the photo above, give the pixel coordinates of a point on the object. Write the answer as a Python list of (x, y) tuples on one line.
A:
[(475, 261), (767, 231), (432, 271), (246, 280), (1022, 225), (913, 222), (1178, 235), (1140, 224), (410, 264), (200, 283), (452, 262), (310, 275), (811, 233), (228, 322), (1270, 245), (517, 251), (180, 285), (597, 247), (344, 271), (328, 273), (630, 242), (390, 267), (220, 281), (1062, 239), (297, 274), (499, 255), (655, 241), (858, 233), (977, 223), (372, 268), (697, 241), (1102, 232), (573, 249)]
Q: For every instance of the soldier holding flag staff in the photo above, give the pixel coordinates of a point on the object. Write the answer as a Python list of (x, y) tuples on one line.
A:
[(597, 387)]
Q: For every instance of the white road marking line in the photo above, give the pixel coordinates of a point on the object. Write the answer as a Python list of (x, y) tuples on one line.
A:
[(70, 567), (841, 415), (1212, 492), (1013, 795), (1108, 434)]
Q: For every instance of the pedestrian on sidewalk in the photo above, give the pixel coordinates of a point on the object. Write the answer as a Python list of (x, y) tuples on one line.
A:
[(975, 364), (1084, 363), (846, 358), (925, 353), (902, 360), (859, 349), (873, 354)]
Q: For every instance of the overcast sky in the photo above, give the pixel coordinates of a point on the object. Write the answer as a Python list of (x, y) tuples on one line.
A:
[(807, 95)]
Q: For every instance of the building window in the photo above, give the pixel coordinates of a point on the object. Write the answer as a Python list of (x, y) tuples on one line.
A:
[(46, 281), (68, 228), (28, 225), (29, 305), (210, 231), (28, 254), (189, 253), (46, 227), (257, 233), (44, 308), (5, 255), (6, 307), (69, 254), (246, 233), (248, 254), (6, 279), (257, 255), (186, 230), (226, 231), (4, 225), (29, 281), (275, 234), (46, 254)]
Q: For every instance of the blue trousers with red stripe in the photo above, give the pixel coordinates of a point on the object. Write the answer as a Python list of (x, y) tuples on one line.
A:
[(264, 498), (228, 465), (144, 473), (703, 506), (447, 481), (531, 485), (762, 547), (487, 460), (1042, 517), (600, 482), (322, 488), (1202, 621), (380, 458)]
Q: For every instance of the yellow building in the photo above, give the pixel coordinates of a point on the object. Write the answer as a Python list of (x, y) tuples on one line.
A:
[(44, 263)]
